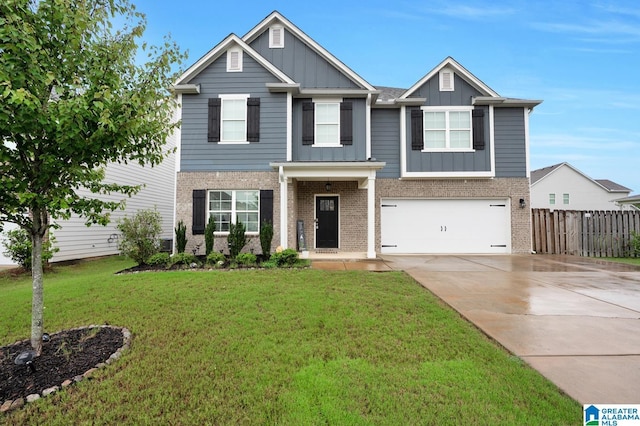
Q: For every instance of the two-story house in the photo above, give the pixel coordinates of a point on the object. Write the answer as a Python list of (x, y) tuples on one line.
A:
[(275, 128)]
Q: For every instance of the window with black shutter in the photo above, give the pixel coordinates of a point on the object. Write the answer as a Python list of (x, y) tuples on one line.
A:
[(307, 123), (346, 123), (213, 125), (417, 130), (478, 128), (253, 119)]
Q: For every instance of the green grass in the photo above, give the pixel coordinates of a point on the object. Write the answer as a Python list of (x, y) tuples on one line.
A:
[(286, 347), (628, 260)]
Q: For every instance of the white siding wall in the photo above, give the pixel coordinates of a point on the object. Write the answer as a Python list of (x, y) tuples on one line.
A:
[(584, 194), (3, 259), (77, 241)]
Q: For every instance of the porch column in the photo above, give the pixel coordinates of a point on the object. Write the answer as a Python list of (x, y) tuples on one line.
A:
[(283, 208), (371, 218)]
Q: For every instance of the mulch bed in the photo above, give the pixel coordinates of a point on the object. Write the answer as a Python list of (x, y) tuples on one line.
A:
[(67, 355)]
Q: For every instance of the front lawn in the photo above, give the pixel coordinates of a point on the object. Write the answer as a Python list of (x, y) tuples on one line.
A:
[(288, 347)]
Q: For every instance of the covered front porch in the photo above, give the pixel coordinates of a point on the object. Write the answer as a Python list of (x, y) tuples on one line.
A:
[(328, 208)]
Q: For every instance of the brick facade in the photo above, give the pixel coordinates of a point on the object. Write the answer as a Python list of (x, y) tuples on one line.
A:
[(352, 204)]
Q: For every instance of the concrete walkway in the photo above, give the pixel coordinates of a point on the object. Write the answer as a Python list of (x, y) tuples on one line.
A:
[(575, 320)]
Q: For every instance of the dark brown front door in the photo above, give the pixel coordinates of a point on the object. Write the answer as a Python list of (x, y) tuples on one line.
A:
[(327, 222)]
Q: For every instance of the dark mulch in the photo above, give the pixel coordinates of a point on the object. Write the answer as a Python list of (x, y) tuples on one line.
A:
[(68, 354)]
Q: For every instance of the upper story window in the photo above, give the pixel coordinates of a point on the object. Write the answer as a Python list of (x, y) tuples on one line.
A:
[(230, 206), (234, 59), (552, 199), (447, 129), (447, 79), (327, 123), (234, 119), (276, 37)]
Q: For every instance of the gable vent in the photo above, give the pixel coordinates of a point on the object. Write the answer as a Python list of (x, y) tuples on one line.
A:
[(276, 37), (446, 80), (234, 60)]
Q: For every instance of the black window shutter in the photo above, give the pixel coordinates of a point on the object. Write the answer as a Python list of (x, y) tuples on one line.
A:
[(478, 128), (417, 130), (346, 123), (213, 129), (266, 206), (253, 119), (307, 123), (199, 211)]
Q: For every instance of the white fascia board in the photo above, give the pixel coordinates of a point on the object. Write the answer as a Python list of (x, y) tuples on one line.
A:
[(221, 48), (457, 68), (505, 102), (277, 17), (329, 170), (190, 89), (344, 93)]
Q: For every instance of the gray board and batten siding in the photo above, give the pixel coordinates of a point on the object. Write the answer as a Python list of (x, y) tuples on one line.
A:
[(510, 142), (197, 154), (302, 64), (354, 152), (385, 141)]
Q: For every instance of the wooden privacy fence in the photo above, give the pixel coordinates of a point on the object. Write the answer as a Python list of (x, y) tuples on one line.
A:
[(584, 233)]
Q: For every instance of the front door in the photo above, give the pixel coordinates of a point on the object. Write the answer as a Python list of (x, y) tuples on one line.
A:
[(327, 222)]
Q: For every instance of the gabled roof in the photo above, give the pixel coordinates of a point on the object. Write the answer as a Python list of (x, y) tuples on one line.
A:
[(230, 41), (606, 184), (276, 17), (449, 62)]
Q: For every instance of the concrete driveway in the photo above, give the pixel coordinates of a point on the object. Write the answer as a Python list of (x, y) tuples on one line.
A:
[(576, 320)]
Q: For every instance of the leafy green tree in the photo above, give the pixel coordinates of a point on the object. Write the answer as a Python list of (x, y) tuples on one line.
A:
[(18, 248), (72, 99)]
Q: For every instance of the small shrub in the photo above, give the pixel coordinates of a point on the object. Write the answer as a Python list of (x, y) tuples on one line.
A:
[(181, 237), (236, 239), (266, 236), (19, 247), (247, 259), (184, 258), (159, 259), (216, 259), (635, 244), (286, 257), (140, 235), (209, 236)]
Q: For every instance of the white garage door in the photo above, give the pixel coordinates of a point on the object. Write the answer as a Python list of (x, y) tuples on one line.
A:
[(445, 226)]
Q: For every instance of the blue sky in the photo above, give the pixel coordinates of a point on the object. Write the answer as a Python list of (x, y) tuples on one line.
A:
[(582, 58)]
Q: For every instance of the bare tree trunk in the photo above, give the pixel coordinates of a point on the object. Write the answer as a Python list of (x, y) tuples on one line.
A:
[(40, 222)]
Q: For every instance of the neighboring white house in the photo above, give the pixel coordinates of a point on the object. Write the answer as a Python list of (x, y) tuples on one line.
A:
[(563, 187), (77, 241)]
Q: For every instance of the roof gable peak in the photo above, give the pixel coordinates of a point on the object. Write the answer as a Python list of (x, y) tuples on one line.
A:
[(230, 41), (449, 62)]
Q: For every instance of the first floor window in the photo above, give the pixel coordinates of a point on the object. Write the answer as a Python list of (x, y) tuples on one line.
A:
[(230, 206), (552, 199), (565, 198), (448, 129)]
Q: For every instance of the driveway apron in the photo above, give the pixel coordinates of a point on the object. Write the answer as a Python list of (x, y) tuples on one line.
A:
[(576, 320)]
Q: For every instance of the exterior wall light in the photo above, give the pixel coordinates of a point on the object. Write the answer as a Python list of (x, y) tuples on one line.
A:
[(327, 186), (523, 204)]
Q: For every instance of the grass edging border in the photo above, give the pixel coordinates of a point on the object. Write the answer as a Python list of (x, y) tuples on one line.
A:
[(10, 405)]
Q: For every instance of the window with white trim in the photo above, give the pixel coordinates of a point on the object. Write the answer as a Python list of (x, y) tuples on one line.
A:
[(234, 59), (447, 129), (565, 198), (233, 118), (327, 120), (552, 199), (276, 37), (229, 206)]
